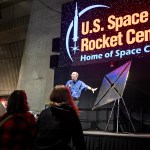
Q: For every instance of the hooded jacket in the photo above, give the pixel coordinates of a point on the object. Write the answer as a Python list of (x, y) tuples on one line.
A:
[(57, 127)]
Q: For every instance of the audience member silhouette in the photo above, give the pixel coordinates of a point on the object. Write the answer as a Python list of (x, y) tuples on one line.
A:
[(59, 123), (17, 125)]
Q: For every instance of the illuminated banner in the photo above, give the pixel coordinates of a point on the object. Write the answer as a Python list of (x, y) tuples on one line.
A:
[(95, 32)]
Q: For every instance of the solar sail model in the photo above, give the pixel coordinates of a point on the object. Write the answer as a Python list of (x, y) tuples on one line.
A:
[(112, 86), (112, 89)]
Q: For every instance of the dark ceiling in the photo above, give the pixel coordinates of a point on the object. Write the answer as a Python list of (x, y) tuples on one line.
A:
[(6, 3)]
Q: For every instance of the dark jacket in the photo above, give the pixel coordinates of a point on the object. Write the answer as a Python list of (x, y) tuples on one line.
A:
[(56, 127)]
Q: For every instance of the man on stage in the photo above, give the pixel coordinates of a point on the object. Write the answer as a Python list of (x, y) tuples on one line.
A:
[(77, 86)]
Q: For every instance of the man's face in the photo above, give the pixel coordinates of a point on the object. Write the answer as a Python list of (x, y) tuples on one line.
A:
[(74, 76)]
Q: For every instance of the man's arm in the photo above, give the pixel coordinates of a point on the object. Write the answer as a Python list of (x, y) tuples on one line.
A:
[(92, 89), (68, 84)]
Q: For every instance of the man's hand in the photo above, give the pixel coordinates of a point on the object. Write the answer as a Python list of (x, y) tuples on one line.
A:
[(93, 90)]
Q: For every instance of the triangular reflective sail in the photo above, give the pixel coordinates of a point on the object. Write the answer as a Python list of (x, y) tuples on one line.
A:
[(113, 85)]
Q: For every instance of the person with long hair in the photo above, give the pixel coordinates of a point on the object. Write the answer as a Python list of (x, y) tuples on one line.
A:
[(59, 124), (17, 125)]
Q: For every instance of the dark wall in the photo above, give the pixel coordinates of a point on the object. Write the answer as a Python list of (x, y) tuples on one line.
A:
[(136, 93)]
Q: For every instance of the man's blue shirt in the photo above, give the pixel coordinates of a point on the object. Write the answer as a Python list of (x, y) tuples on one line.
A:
[(76, 87)]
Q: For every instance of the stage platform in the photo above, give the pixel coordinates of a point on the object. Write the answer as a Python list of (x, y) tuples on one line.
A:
[(100, 140), (102, 133)]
